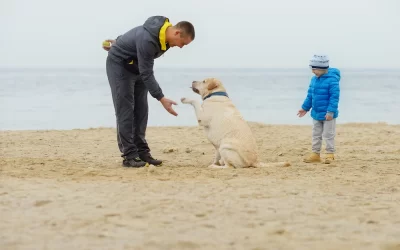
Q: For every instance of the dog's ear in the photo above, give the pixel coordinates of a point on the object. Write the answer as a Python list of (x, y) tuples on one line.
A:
[(212, 85)]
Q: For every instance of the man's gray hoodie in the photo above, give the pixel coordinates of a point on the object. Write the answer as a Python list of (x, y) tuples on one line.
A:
[(136, 50)]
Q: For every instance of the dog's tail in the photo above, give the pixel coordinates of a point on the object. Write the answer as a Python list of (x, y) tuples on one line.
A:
[(273, 164)]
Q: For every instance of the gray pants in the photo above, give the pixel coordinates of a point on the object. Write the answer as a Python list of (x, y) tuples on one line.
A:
[(324, 130), (129, 96)]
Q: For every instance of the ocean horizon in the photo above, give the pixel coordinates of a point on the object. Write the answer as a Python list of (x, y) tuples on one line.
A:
[(45, 98)]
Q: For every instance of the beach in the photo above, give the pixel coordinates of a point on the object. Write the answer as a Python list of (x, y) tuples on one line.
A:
[(65, 189)]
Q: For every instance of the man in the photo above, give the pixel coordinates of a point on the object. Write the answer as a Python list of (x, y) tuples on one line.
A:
[(130, 74)]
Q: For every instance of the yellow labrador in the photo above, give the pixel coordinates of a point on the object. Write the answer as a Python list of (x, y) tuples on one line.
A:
[(225, 127)]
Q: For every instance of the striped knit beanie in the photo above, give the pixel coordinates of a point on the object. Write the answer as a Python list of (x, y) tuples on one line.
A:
[(319, 62)]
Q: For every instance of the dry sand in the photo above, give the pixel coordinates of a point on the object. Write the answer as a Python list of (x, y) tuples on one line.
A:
[(65, 190)]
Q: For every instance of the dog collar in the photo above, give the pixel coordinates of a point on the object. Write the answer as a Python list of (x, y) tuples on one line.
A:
[(216, 93)]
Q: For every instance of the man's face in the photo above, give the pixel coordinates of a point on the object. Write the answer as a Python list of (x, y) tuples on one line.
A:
[(179, 39)]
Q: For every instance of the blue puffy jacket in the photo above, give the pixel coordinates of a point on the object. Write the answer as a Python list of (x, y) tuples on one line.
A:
[(323, 95)]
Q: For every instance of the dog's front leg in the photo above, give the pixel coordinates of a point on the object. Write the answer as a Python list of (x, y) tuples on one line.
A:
[(218, 162), (197, 109), (217, 158)]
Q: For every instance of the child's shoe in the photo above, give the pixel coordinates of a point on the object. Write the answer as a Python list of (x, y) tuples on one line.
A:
[(329, 158), (313, 157)]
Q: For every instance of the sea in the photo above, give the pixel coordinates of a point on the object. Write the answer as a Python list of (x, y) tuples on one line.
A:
[(46, 99)]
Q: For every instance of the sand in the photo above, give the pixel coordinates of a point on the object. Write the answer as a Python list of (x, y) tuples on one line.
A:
[(66, 190)]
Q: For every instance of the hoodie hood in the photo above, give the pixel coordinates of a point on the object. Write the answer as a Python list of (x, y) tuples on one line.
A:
[(332, 73), (157, 26)]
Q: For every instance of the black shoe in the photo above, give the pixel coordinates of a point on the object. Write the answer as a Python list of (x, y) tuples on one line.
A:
[(149, 159), (134, 163)]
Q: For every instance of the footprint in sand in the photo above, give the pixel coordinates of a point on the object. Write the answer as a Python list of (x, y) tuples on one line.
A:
[(41, 203)]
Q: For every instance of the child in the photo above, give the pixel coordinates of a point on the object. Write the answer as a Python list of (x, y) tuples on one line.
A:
[(323, 99)]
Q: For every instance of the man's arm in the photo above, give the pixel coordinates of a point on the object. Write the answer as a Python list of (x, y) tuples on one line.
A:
[(111, 41), (145, 54)]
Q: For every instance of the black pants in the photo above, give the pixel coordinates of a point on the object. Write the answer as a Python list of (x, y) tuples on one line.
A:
[(129, 96)]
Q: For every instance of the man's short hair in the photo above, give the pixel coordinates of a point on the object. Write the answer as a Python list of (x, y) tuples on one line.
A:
[(187, 28)]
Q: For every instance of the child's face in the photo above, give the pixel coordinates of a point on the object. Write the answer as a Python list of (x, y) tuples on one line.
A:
[(319, 72)]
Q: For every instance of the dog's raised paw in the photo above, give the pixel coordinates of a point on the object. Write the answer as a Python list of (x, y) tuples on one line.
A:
[(185, 100)]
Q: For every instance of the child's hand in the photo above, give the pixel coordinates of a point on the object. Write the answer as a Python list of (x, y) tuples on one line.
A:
[(301, 113), (328, 117)]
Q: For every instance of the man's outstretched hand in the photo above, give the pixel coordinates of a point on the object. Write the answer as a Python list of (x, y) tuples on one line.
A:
[(167, 103)]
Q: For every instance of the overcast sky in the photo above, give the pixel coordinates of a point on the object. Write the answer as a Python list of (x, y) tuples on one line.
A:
[(229, 33)]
